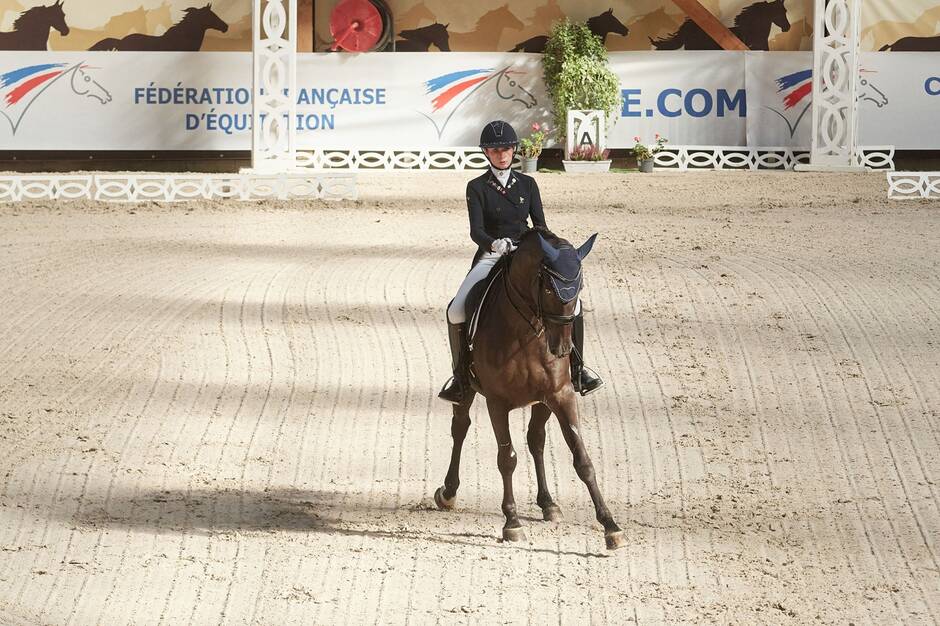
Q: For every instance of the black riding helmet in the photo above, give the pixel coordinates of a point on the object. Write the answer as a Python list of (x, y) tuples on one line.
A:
[(498, 134)]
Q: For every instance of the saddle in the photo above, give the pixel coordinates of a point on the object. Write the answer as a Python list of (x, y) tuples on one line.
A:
[(476, 299)]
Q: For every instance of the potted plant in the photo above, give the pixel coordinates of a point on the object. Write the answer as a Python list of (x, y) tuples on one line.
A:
[(531, 147), (587, 159), (646, 154), (578, 77)]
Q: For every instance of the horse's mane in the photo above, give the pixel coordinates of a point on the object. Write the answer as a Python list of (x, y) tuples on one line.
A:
[(749, 11), (27, 15), (548, 235)]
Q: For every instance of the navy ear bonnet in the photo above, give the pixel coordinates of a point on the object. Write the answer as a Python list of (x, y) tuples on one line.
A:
[(563, 268)]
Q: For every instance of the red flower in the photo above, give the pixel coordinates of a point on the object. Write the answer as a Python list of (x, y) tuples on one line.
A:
[(535, 126), (636, 139)]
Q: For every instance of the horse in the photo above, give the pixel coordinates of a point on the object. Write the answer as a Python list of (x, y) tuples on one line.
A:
[(185, 36), (521, 349), (913, 44), (601, 25), (420, 39), (488, 30), (31, 28), (752, 26)]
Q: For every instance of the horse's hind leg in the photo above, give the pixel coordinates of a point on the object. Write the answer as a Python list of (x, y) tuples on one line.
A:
[(445, 497), (536, 439), (567, 413), (506, 460)]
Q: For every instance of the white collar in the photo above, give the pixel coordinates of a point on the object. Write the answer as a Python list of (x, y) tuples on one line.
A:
[(502, 176)]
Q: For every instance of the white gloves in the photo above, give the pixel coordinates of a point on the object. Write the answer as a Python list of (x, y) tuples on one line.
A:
[(502, 246)]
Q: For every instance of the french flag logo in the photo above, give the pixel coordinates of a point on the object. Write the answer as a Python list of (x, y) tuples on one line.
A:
[(448, 86), (20, 83), (796, 87)]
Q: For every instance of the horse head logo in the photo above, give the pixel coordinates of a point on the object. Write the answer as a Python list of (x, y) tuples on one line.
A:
[(84, 85), (508, 88), (450, 92), (867, 91), (20, 88), (797, 92)]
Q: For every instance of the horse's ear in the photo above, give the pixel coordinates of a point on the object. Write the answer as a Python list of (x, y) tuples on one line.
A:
[(447, 25), (585, 249), (550, 253)]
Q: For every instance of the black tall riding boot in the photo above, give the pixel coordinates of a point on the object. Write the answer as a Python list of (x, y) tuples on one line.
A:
[(455, 389), (582, 378)]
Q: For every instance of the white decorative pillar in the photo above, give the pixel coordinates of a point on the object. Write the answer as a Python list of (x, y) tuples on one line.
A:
[(835, 86), (274, 86)]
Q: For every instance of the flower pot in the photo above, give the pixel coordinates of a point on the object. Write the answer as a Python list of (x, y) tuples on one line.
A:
[(645, 165), (587, 166), (530, 165)]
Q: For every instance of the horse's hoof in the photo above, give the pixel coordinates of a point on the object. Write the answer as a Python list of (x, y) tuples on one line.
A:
[(615, 540), (514, 534), (552, 513), (443, 503)]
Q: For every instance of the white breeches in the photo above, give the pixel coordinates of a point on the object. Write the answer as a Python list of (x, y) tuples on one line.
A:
[(456, 312)]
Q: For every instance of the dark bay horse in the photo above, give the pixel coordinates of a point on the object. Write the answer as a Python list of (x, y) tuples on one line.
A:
[(185, 36), (521, 358), (31, 28), (752, 26), (601, 25), (421, 39)]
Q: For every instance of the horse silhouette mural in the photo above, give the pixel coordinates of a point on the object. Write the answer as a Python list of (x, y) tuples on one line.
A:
[(31, 28), (186, 35), (421, 39), (21, 87), (601, 25), (913, 44), (752, 26)]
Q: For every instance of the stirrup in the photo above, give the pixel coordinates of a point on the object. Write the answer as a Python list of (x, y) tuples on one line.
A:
[(452, 391), (587, 381)]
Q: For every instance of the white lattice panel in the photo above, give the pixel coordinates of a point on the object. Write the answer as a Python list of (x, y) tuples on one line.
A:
[(913, 185), (274, 85), (835, 83), (461, 158), (45, 187), (178, 187), (733, 157)]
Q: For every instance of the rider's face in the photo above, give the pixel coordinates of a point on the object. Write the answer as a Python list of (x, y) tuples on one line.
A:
[(500, 157)]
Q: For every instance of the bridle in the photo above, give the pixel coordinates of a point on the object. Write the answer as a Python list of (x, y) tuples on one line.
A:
[(540, 316)]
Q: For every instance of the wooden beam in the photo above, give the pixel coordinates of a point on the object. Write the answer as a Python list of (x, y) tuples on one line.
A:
[(711, 25)]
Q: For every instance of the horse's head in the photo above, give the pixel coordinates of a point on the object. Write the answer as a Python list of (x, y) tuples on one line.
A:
[(56, 17), (508, 88), (606, 23), (84, 85), (778, 14), (440, 37), (206, 17), (867, 91), (556, 283)]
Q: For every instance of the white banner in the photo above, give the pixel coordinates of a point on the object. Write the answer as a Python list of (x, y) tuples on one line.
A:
[(200, 101)]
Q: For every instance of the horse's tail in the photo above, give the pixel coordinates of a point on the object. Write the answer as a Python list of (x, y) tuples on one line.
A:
[(885, 47), (106, 44)]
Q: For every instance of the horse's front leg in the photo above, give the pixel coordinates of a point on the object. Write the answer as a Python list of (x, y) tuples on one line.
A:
[(567, 411), (536, 439), (446, 497), (506, 461)]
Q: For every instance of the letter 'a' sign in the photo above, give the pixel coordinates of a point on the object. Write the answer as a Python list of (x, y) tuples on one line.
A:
[(585, 131)]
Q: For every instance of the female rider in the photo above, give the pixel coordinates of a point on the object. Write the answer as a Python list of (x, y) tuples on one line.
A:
[(500, 202)]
